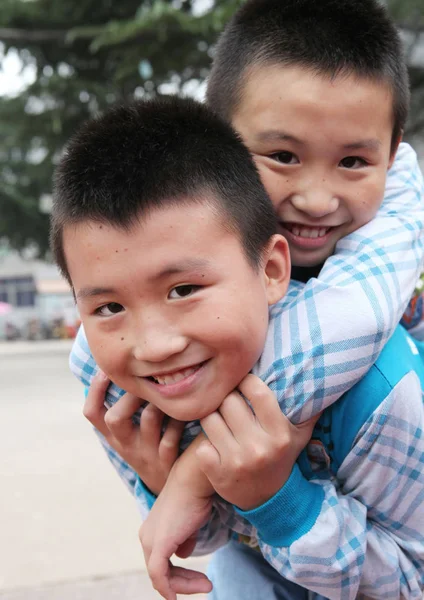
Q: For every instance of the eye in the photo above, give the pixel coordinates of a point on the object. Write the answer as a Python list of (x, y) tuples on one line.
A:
[(285, 158), (353, 162), (182, 291), (110, 309)]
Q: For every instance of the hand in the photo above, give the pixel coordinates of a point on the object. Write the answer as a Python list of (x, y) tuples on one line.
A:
[(249, 456), (171, 528), (149, 453)]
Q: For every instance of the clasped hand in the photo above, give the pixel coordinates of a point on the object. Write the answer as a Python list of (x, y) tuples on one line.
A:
[(247, 456), (149, 452)]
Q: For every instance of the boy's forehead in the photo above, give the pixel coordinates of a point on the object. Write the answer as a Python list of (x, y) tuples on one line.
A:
[(277, 78), (164, 215), (271, 94), (168, 240)]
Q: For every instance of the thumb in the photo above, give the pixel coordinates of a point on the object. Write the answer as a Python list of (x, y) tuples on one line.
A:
[(186, 548)]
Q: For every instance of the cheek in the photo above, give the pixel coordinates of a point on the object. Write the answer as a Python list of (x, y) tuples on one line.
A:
[(272, 183), (248, 335), (367, 203), (239, 336), (107, 352), (279, 187)]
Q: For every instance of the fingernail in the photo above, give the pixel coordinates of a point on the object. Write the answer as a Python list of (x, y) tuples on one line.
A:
[(101, 376)]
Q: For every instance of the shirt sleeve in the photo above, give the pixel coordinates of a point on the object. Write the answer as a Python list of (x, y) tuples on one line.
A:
[(324, 337), (364, 534)]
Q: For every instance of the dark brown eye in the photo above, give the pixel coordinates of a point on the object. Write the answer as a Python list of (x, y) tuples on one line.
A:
[(285, 158), (112, 308), (352, 162), (182, 291)]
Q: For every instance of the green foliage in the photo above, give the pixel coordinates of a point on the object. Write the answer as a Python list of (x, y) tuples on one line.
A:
[(91, 53)]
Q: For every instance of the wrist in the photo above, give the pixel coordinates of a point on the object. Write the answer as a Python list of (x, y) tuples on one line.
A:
[(188, 473), (153, 482), (290, 513), (258, 495)]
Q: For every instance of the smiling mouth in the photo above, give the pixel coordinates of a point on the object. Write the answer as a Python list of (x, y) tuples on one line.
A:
[(174, 376), (306, 231)]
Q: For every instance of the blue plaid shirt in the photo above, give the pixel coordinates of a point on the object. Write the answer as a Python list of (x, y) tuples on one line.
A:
[(323, 338)]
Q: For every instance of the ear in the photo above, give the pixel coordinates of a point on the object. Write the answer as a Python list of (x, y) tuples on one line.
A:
[(277, 268), (394, 150)]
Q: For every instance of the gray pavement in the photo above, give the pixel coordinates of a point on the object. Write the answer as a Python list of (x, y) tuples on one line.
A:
[(121, 587), (68, 525)]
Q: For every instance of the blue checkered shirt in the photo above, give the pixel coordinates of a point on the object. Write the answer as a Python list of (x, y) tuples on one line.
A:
[(323, 338)]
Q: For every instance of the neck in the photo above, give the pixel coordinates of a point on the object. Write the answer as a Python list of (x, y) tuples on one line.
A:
[(305, 273)]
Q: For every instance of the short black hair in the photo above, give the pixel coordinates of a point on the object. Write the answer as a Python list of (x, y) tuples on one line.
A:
[(327, 37), (150, 154)]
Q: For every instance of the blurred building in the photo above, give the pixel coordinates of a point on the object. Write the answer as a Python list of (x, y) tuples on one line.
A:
[(419, 148), (41, 300)]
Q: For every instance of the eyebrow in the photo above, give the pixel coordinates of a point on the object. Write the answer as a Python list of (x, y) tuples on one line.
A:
[(273, 135), (192, 264), (370, 144), (92, 292)]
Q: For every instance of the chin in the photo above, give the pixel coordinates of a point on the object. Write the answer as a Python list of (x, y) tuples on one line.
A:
[(315, 259), (308, 262), (188, 414)]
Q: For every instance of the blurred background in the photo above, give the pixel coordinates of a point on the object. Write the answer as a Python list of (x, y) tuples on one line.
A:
[(69, 528), (62, 62)]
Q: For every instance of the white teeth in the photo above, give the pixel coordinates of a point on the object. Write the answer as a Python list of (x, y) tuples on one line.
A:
[(175, 377), (309, 232)]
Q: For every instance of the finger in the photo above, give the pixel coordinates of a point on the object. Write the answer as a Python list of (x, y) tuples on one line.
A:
[(209, 459), (170, 443), (187, 581), (151, 424), (218, 433), (119, 417), (94, 409), (237, 415), (263, 402), (159, 568)]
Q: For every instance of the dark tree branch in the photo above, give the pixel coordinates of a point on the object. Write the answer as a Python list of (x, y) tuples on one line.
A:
[(18, 35)]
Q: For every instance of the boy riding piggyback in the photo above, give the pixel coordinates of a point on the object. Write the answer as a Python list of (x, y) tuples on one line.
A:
[(322, 116)]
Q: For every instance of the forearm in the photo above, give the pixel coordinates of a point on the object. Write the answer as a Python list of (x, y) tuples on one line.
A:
[(213, 535), (187, 473), (356, 556), (366, 533)]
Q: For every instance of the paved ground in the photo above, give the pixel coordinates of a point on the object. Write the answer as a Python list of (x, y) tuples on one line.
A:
[(68, 526)]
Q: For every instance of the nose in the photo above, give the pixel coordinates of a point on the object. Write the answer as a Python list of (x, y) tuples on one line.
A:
[(315, 203), (157, 343)]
